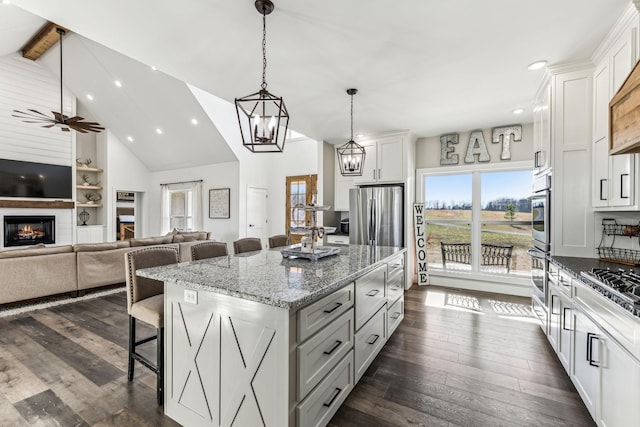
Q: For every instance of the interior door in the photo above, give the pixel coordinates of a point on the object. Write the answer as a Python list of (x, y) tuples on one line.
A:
[(300, 191), (257, 213)]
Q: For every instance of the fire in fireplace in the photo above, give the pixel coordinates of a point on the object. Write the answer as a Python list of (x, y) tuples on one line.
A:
[(29, 230)]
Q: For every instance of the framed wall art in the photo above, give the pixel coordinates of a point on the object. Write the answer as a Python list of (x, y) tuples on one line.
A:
[(219, 203)]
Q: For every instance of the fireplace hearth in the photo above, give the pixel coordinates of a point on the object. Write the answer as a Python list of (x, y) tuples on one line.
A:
[(29, 230)]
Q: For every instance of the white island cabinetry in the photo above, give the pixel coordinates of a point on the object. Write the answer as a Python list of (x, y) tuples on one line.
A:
[(260, 348)]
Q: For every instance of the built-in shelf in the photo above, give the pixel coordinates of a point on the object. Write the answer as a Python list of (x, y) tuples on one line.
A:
[(89, 187), (89, 205), (88, 169), (36, 204)]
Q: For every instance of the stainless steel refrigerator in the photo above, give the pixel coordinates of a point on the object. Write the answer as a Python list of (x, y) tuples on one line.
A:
[(376, 216)]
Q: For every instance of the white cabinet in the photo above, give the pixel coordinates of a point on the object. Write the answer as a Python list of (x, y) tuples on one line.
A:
[(586, 355), (613, 177), (90, 234), (542, 130), (384, 161), (340, 239), (619, 386), (341, 191)]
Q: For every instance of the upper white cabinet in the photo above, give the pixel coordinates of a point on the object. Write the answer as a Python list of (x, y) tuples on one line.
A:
[(542, 130), (342, 185), (614, 177), (384, 161)]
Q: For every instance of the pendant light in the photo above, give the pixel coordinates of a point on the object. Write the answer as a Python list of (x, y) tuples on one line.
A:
[(65, 123), (262, 116), (351, 155)]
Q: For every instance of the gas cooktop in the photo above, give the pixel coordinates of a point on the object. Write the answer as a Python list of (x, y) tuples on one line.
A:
[(620, 286)]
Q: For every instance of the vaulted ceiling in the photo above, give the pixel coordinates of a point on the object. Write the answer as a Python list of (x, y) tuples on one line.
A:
[(430, 66)]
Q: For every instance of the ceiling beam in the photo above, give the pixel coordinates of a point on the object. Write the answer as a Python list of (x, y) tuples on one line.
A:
[(41, 41)]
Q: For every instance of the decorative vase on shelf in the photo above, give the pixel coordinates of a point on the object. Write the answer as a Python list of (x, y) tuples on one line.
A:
[(84, 217)]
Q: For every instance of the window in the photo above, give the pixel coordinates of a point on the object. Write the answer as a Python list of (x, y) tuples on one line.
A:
[(478, 221), (300, 191), (182, 206)]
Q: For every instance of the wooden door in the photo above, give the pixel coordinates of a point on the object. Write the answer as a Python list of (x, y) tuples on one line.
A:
[(300, 191)]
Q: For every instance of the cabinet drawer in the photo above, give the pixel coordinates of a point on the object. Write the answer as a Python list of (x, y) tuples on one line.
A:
[(323, 402), (395, 286), (369, 340), (395, 314), (314, 317), (337, 240), (318, 355), (370, 294)]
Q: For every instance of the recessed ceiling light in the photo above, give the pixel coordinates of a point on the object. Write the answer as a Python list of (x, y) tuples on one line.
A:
[(154, 68), (360, 135), (518, 111), (90, 97), (130, 138), (118, 83), (6, 1), (159, 131), (194, 121), (537, 65)]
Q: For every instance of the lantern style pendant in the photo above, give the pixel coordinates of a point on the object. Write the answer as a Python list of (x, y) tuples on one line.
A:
[(351, 155), (262, 116)]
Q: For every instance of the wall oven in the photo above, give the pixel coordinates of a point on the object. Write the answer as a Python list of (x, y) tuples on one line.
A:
[(541, 245)]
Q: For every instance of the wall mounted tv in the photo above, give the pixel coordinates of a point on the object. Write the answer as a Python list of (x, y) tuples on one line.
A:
[(36, 180)]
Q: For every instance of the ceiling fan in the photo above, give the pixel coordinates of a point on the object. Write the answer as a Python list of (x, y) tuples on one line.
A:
[(65, 123)]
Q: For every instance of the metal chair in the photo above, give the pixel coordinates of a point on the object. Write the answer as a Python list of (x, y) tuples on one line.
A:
[(208, 250), (279, 240), (145, 302), (248, 244)]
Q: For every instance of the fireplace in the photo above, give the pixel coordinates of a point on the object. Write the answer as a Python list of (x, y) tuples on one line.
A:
[(29, 230)]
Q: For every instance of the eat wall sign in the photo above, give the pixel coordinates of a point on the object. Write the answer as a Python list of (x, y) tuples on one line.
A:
[(477, 147)]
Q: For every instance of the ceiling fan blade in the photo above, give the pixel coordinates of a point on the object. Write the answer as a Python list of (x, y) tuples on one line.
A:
[(59, 117), (76, 123), (37, 112)]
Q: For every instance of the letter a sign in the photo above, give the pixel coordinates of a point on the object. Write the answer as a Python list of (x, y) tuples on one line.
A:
[(421, 244)]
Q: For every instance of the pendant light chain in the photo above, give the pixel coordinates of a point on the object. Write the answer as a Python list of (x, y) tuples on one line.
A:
[(264, 50), (351, 117)]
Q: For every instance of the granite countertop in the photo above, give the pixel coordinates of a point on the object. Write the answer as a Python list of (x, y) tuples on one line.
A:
[(575, 265), (266, 277)]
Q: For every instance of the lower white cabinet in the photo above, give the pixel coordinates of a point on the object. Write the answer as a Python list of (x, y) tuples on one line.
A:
[(90, 234), (586, 356), (369, 340), (340, 239), (318, 408)]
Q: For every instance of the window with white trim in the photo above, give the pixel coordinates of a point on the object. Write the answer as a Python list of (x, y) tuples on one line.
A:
[(478, 220), (182, 206)]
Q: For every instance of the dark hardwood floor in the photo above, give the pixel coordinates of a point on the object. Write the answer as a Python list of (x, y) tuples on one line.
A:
[(458, 359)]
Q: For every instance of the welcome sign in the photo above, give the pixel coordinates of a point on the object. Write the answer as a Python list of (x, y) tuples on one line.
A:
[(421, 243)]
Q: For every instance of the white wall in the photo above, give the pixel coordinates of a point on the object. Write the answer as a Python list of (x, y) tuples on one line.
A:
[(428, 149), (261, 170), (220, 175), (123, 171)]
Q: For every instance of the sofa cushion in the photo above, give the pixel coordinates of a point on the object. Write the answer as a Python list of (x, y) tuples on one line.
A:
[(177, 238), (35, 251), (151, 241), (86, 247)]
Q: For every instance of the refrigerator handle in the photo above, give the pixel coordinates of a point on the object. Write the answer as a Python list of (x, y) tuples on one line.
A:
[(369, 219), (374, 208)]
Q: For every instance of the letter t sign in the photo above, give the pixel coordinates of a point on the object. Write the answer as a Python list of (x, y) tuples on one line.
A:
[(506, 132)]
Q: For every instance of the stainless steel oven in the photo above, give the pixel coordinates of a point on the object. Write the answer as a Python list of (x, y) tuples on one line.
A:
[(541, 245), (540, 212)]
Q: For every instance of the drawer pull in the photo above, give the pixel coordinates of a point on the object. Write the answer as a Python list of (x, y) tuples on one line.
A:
[(335, 346), (396, 315), (373, 293), (335, 396), (337, 306), (373, 341)]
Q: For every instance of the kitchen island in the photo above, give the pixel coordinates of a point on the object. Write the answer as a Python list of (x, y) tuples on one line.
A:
[(256, 339)]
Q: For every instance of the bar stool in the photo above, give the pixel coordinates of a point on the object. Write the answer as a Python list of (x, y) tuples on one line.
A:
[(279, 240), (208, 250), (145, 302), (248, 244)]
